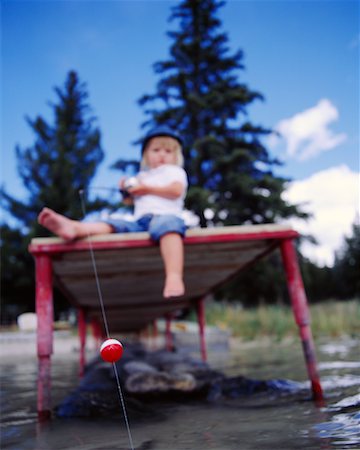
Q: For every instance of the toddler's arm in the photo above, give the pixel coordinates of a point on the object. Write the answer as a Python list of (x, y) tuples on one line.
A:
[(171, 191)]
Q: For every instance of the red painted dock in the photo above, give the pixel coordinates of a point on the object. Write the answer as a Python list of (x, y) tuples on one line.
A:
[(130, 273)]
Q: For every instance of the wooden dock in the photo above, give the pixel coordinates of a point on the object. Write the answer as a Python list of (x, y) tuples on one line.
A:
[(130, 273)]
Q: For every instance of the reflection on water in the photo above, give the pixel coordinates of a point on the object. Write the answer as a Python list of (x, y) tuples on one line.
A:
[(280, 420)]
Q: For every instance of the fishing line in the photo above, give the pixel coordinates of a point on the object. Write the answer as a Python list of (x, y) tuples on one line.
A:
[(100, 188), (101, 301)]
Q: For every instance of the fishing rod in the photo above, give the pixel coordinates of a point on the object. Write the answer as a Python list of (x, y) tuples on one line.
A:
[(99, 188), (128, 184)]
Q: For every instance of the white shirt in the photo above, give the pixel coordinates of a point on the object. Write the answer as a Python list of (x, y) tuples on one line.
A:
[(153, 204)]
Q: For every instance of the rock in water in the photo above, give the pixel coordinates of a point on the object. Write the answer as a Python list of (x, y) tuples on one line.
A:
[(159, 382), (133, 367), (158, 375)]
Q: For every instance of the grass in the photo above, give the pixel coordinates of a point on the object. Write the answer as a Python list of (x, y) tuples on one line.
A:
[(330, 318)]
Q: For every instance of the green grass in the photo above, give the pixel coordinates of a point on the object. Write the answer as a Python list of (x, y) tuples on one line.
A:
[(331, 318)]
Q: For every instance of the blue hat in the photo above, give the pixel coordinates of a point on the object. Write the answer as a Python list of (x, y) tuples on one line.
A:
[(161, 130)]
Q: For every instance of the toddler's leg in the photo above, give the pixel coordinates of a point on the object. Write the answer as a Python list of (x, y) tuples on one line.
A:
[(172, 252), (69, 229)]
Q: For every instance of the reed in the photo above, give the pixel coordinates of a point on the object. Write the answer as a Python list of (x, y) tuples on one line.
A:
[(331, 318)]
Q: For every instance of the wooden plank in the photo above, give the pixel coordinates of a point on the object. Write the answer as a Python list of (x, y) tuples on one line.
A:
[(192, 232), (198, 280), (133, 240), (130, 267), (130, 263)]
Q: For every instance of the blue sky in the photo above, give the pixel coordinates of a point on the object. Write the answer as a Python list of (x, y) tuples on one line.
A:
[(303, 56)]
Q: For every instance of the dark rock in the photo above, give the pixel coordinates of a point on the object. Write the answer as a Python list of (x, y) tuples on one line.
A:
[(159, 382), (132, 367), (157, 376)]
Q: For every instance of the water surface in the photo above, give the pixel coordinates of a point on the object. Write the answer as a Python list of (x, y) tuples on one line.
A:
[(283, 420)]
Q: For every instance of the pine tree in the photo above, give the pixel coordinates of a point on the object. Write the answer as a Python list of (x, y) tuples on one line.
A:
[(200, 94), (62, 160), (347, 265)]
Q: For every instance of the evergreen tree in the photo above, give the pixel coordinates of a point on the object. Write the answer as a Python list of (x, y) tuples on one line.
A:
[(319, 282), (200, 94), (16, 278), (263, 282), (347, 265), (62, 160)]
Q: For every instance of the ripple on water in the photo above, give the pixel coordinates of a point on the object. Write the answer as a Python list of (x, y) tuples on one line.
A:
[(342, 429), (20, 417), (334, 382), (332, 365), (346, 403), (339, 347)]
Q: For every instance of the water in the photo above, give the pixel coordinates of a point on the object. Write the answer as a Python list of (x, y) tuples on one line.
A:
[(260, 421)]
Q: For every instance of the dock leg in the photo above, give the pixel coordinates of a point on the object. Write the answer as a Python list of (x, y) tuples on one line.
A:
[(168, 336), (155, 331), (200, 311), (154, 334), (97, 332), (82, 339), (301, 313), (45, 325)]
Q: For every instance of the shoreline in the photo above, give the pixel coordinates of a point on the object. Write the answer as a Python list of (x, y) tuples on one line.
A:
[(15, 343), (66, 341)]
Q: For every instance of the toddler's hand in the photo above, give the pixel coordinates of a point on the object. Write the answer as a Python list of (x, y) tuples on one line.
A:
[(131, 182), (126, 184), (139, 189)]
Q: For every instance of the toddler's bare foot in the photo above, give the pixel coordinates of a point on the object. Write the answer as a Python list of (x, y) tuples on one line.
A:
[(58, 224), (174, 286)]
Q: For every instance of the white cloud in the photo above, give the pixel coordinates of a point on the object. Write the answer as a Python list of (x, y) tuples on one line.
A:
[(332, 196), (307, 134)]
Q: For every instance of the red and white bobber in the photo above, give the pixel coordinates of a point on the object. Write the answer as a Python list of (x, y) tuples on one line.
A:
[(111, 350)]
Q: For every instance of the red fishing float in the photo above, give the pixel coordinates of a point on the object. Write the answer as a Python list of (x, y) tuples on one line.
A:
[(111, 350)]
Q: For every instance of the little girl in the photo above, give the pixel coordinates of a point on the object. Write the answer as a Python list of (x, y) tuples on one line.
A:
[(158, 203)]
